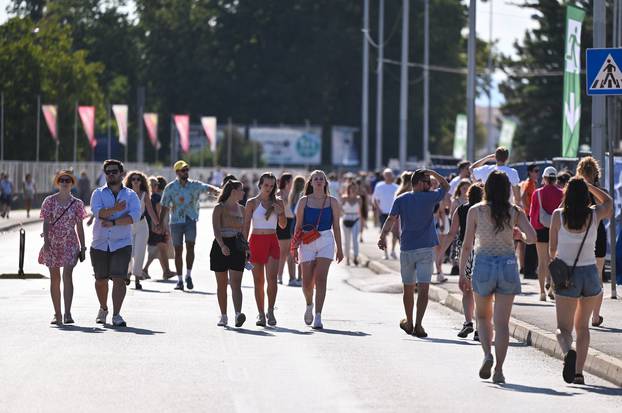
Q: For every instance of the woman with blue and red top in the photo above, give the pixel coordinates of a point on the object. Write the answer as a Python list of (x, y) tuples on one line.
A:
[(317, 211)]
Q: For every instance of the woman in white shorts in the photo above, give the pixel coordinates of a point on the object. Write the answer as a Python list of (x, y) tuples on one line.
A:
[(317, 212)]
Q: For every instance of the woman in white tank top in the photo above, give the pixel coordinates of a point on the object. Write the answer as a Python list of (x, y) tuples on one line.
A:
[(574, 305), (352, 221)]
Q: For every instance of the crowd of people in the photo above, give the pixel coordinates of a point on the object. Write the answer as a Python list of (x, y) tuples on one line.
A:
[(483, 221)]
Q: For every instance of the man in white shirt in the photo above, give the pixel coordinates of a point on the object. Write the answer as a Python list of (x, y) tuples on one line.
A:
[(384, 193), (481, 171), (463, 173)]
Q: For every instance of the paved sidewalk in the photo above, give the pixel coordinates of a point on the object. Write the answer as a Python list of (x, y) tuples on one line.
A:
[(17, 218), (533, 321)]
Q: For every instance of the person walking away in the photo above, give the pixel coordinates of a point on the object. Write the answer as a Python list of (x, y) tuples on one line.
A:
[(316, 235), (544, 201), (137, 181), (285, 234), (352, 220), (481, 172), (589, 169), (181, 198), (572, 240), (265, 212), (458, 198), (382, 198), (84, 187), (63, 236), (229, 249), (6, 195), (527, 254), (29, 190), (463, 173), (490, 227), (475, 194), (295, 194), (415, 211), (364, 193), (157, 243), (116, 208)]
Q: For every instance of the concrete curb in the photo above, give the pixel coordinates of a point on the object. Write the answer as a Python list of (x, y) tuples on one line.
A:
[(597, 363), (12, 226)]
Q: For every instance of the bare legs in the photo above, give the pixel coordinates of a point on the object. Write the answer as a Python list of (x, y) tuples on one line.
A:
[(118, 293), (543, 269), (235, 279), (600, 265), (315, 274), (501, 316), (262, 272), (179, 261), (285, 258), (55, 293)]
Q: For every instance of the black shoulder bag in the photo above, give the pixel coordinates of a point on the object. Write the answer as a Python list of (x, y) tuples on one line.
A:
[(560, 272)]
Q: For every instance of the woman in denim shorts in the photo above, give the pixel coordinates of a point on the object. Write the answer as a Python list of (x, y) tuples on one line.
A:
[(574, 305), (491, 227)]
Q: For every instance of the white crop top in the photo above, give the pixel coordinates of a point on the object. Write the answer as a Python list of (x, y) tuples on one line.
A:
[(259, 218), (568, 244), (350, 210)]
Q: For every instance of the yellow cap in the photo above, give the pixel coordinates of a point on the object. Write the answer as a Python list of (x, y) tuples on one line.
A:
[(180, 165)]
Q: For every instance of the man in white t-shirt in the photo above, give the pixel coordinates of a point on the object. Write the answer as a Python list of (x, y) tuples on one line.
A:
[(384, 194), (463, 173), (481, 171)]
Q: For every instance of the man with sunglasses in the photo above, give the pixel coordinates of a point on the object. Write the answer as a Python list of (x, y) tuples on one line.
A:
[(415, 211), (115, 208), (181, 198)]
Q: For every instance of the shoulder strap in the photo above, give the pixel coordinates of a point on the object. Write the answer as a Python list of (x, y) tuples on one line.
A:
[(66, 209), (319, 217), (582, 242)]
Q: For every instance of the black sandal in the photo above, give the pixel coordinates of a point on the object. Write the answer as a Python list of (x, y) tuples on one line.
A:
[(578, 379), (404, 325), (570, 360), (599, 322)]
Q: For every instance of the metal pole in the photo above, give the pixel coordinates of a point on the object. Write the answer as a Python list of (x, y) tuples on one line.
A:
[(471, 82), (140, 142), (404, 85), (172, 142), (229, 138), (254, 145), (58, 138), (1, 126), (490, 144), (365, 100), (599, 102), (109, 135), (612, 222), (38, 125), (379, 86), (75, 134), (426, 82)]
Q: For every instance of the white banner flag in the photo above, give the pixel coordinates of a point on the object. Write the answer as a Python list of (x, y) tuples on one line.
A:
[(209, 126), (120, 114), (460, 136)]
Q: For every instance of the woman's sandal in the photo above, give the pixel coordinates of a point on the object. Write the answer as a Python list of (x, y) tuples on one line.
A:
[(578, 379), (599, 322), (67, 319), (57, 321)]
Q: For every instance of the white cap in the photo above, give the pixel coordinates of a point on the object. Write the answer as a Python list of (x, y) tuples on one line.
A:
[(388, 171), (549, 172)]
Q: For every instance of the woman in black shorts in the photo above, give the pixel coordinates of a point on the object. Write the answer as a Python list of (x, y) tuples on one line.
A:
[(285, 234), (229, 249)]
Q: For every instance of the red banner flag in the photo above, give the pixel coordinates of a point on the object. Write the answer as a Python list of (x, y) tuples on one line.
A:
[(120, 114), (182, 122), (49, 113), (87, 115), (151, 122), (209, 126)]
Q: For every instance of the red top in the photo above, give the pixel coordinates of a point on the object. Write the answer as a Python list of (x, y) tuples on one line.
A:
[(551, 197)]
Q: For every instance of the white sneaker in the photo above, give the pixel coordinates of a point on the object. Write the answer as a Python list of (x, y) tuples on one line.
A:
[(101, 316), (317, 322), (118, 321), (309, 315), (440, 278), (394, 255), (223, 321)]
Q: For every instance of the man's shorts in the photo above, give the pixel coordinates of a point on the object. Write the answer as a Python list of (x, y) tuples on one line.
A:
[(262, 247), (111, 264), (585, 282), (382, 218), (186, 229), (5, 199), (543, 235), (495, 274), (417, 265), (323, 247)]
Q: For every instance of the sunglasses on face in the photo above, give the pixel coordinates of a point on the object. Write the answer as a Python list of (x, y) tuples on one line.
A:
[(184, 170), (65, 180), (135, 179), (111, 172)]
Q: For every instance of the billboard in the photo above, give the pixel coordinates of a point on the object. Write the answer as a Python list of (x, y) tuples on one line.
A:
[(344, 149), (289, 145)]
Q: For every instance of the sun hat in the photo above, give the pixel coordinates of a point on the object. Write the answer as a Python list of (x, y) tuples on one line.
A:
[(64, 172)]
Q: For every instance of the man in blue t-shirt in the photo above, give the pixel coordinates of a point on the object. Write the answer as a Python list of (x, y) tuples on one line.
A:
[(416, 213)]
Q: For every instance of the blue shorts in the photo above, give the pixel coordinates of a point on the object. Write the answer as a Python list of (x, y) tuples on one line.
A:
[(585, 282), (417, 265), (187, 229), (495, 274)]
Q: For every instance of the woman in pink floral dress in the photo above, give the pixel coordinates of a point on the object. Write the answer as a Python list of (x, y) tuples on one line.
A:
[(62, 215)]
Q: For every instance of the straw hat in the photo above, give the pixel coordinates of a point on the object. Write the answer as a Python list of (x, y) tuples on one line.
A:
[(64, 172)]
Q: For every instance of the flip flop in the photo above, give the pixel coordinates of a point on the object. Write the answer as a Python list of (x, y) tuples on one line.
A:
[(570, 360), (404, 326), (599, 322)]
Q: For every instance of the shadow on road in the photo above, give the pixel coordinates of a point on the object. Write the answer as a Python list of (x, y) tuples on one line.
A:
[(608, 391), (250, 332), (291, 330), (73, 327), (607, 329), (135, 330), (533, 305), (531, 389), (145, 290), (342, 332), (199, 292), (447, 341)]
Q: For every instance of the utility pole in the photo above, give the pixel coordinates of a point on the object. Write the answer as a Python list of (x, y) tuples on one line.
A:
[(1, 126), (404, 86), (426, 82), (379, 86), (599, 111), (229, 139), (140, 143), (38, 125), (365, 93), (75, 134), (471, 82), (109, 136), (490, 144)]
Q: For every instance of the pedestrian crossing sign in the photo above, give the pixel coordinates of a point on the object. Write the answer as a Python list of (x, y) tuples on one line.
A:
[(604, 76)]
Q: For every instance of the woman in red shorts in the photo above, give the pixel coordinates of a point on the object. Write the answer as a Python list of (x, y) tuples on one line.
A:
[(265, 212)]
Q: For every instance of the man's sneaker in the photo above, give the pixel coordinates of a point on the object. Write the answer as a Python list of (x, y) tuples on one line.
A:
[(309, 315), (261, 320), (101, 316), (240, 319), (223, 321), (118, 321), (467, 328), (440, 278), (317, 322), (189, 283), (292, 283), (271, 318), (138, 285), (180, 285)]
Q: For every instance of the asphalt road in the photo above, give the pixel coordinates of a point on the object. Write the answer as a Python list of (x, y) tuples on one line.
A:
[(173, 357)]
